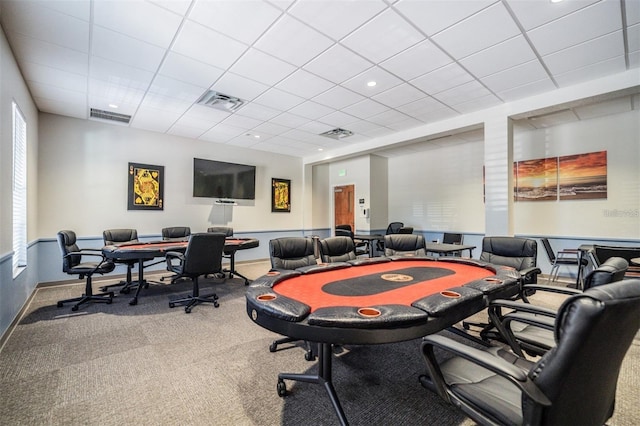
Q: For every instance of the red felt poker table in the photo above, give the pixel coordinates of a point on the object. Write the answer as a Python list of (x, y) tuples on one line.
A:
[(372, 301)]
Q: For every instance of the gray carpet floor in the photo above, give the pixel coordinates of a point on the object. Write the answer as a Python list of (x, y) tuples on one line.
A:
[(151, 365)]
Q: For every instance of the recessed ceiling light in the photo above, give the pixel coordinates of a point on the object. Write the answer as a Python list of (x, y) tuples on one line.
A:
[(556, 1), (320, 149), (253, 135), (371, 83), (113, 106)]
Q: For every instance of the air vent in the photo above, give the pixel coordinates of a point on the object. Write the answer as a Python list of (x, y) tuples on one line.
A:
[(220, 101), (337, 133), (110, 116)]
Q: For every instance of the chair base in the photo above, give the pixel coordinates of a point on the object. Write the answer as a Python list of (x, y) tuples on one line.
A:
[(106, 297), (310, 348), (189, 301)]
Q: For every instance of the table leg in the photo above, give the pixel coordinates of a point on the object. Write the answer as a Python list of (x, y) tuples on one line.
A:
[(134, 301), (232, 268), (325, 356)]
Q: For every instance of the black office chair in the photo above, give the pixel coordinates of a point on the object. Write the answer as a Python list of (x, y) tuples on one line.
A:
[(292, 253), (392, 228), (361, 247), (72, 264), (203, 256), (567, 257), (175, 233), (337, 249), (574, 384), (404, 245), (118, 237), (529, 328), (406, 230), (226, 230)]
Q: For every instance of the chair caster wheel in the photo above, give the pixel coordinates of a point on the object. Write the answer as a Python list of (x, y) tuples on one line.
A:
[(187, 310), (309, 356), (281, 388), (273, 347), (74, 308), (172, 305), (60, 304), (216, 304)]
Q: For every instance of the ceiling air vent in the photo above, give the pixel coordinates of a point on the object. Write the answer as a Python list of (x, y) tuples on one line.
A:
[(221, 101), (110, 116), (337, 133)]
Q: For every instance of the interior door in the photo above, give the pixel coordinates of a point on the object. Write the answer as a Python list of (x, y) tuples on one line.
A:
[(344, 205)]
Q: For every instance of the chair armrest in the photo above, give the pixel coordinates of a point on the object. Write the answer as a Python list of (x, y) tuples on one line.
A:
[(532, 319), (501, 367), (171, 256), (552, 289), (534, 270), (495, 305)]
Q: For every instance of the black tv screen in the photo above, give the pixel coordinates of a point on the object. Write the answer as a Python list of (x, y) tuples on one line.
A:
[(217, 179)]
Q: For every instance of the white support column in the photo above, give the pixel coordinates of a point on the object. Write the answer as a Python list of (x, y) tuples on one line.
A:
[(498, 175)]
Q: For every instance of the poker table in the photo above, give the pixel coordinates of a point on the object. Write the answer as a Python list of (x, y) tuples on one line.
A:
[(372, 301), (145, 251)]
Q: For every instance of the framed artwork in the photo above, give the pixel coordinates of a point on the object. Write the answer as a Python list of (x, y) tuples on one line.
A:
[(536, 180), (146, 187), (583, 176), (280, 195)]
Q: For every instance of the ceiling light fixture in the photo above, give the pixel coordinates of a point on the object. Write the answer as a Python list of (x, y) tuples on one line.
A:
[(371, 83), (113, 106)]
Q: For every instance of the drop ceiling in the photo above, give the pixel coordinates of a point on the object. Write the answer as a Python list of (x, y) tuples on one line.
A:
[(301, 67)]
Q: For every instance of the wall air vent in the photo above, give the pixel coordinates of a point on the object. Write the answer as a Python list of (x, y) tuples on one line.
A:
[(337, 133), (110, 116), (221, 101)]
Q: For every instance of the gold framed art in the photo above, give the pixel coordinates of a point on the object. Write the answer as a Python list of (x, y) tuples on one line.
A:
[(146, 187), (280, 195)]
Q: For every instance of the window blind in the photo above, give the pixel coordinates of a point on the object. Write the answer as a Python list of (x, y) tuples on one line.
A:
[(19, 191)]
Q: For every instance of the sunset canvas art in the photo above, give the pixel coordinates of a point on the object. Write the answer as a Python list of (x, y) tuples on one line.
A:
[(536, 180), (583, 176)]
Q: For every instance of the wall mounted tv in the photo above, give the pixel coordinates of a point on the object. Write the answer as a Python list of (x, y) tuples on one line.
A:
[(217, 179)]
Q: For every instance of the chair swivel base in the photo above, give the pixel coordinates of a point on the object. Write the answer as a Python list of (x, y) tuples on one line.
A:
[(86, 298), (189, 301), (310, 352)]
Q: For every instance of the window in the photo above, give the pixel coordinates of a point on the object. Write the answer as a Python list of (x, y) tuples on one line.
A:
[(19, 191)]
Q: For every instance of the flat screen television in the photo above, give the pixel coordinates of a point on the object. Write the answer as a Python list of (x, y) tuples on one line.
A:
[(217, 179)]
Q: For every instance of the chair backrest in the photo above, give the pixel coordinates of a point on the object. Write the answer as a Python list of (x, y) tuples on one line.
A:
[(406, 230), (451, 238), (176, 233), (612, 270), (119, 236), (67, 243), (403, 244), (337, 249), (203, 254), (518, 253), (547, 248), (593, 331), (394, 228), (344, 231), (226, 230), (292, 252)]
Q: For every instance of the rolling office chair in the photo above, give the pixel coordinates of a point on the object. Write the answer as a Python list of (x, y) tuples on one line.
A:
[(118, 237), (292, 253), (404, 245), (529, 328), (175, 233), (203, 256), (406, 230), (392, 228), (226, 230), (337, 249), (573, 384), (566, 258), (72, 264), (361, 247)]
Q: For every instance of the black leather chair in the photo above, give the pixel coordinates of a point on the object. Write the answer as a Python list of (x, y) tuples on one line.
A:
[(175, 233), (392, 228), (292, 253), (567, 257), (118, 237), (404, 245), (406, 230), (574, 384), (203, 256), (226, 230), (72, 264), (337, 249), (361, 247), (529, 328)]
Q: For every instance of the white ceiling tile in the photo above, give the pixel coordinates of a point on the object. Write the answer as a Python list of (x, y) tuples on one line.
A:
[(316, 127), (271, 128), (336, 19), (311, 110), (292, 41), (188, 122), (52, 76), (118, 73), (463, 93), (204, 115), (262, 67), (434, 16), (417, 60), (184, 131), (382, 78), (155, 120), (399, 95), (363, 126), (584, 54), (420, 106), (221, 133), (101, 94), (69, 109), (592, 71), (365, 108), (338, 97), (516, 76), (165, 103), (633, 37), (259, 112), (241, 87), (499, 57), (189, 70), (585, 24), (442, 79), (244, 141), (179, 90), (289, 120), (44, 53), (242, 20), (46, 91), (241, 122), (387, 118), (279, 99), (114, 46), (532, 14), (384, 36), (195, 40), (632, 12), (526, 89), (338, 119), (305, 84), (138, 19), (634, 59), (477, 103), (80, 9), (338, 64), (409, 123), (177, 6), (456, 39)]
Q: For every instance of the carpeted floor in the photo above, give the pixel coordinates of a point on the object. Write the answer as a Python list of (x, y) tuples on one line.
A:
[(151, 365)]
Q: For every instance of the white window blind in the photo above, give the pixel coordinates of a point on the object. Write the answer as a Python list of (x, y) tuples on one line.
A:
[(19, 191)]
